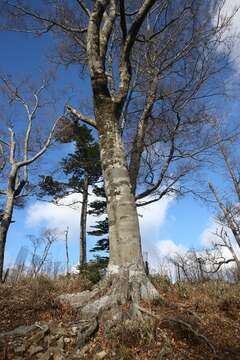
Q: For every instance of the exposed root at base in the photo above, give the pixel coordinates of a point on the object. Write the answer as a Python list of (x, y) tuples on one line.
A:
[(115, 298), (118, 297)]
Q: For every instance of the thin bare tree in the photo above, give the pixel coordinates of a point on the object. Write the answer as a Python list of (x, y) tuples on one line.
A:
[(40, 249), (18, 153), (227, 198), (215, 258)]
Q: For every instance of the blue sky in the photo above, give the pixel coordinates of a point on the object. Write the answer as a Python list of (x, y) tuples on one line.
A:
[(166, 225)]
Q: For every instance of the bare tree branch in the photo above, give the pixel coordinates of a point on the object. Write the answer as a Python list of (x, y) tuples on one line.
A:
[(165, 166), (42, 150), (84, 7), (50, 23), (125, 64), (230, 169), (138, 143), (93, 41), (3, 159), (31, 115), (81, 116), (228, 217), (107, 29), (12, 146)]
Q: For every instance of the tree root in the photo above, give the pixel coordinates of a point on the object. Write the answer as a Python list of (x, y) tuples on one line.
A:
[(127, 286), (190, 328), (113, 299), (118, 297), (181, 322)]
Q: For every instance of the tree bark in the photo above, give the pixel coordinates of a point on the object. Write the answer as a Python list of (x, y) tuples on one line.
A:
[(83, 224), (7, 215), (5, 223), (124, 234)]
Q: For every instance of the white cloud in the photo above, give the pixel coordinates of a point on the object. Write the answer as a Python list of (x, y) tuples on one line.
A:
[(155, 249), (50, 215), (230, 7), (208, 235), (59, 216), (168, 247), (155, 213)]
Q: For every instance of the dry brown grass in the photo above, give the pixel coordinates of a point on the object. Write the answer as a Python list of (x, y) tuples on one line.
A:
[(30, 300), (211, 309)]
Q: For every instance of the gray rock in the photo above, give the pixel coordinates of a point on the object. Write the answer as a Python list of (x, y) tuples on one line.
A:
[(19, 331)]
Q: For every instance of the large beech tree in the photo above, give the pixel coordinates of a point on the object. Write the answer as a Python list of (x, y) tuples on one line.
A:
[(149, 62)]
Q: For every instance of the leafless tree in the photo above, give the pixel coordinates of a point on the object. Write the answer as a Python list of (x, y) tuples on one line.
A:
[(19, 150), (209, 263), (190, 266), (148, 63), (215, 257), (40, 249), (180, 263), (227, 197)]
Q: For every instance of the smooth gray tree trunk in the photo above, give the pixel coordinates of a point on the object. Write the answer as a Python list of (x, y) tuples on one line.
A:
[(124, 234), (5, 224)]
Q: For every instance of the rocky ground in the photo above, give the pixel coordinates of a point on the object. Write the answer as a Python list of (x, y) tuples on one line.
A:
[(196, 321)]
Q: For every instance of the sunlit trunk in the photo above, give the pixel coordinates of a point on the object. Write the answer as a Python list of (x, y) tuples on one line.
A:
[(124, 234), (4, 227)]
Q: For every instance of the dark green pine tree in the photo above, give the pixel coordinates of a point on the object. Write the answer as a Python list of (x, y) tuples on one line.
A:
[(82, 169), (97, 208)]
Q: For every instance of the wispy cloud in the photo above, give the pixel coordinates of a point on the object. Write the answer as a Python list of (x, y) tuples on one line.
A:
[(65, 214)]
